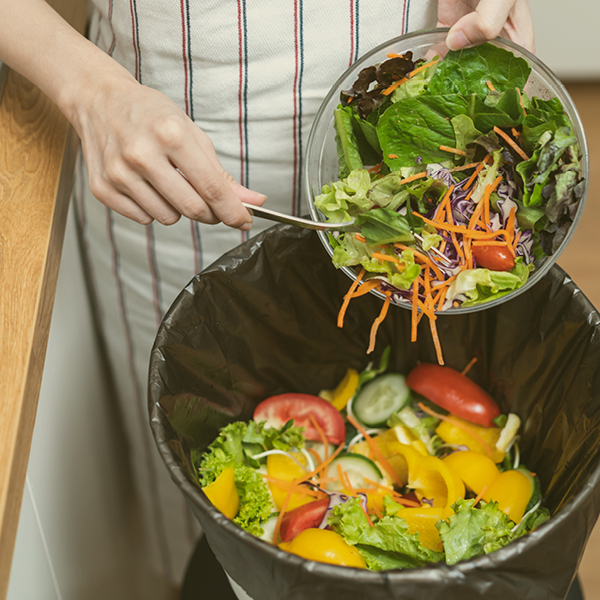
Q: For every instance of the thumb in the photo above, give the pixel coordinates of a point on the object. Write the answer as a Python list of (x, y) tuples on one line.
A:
[(477, 27), (246, 195)]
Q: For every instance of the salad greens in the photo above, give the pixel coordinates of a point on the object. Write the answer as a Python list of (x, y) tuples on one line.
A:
[(436, 156)]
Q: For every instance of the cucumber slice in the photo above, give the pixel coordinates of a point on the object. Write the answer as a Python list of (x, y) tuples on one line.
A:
[(380, 398), (356, 467)]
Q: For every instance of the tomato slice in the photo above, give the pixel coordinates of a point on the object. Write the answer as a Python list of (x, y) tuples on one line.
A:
[(307, 516), (278, 410)]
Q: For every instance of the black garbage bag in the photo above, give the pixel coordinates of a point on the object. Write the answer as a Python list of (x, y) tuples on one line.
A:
[(262, 321)]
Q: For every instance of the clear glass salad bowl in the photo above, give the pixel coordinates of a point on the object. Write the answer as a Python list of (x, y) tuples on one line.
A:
[(321, 165)]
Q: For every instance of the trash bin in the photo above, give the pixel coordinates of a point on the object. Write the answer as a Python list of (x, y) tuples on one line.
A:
[(262, 321)]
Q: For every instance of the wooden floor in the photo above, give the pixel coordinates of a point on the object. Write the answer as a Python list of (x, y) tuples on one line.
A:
[(581, 264)]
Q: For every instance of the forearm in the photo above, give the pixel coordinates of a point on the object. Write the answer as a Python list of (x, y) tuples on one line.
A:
[(38, 43)]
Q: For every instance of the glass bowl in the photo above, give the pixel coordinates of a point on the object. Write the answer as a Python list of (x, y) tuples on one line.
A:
[(321, 165)]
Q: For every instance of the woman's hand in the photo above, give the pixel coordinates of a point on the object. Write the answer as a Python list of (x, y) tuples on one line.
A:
[(473, 22), (147, 160)]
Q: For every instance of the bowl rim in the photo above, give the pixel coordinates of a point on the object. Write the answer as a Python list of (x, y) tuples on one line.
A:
[(577, 127)]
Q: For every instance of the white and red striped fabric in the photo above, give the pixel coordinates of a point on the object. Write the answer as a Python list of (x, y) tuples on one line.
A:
[(251, 74)]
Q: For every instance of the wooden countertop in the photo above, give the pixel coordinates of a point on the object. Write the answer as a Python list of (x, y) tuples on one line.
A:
[(37, 155)]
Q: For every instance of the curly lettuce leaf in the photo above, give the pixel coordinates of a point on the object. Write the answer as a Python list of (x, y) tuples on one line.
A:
[(415, 86), (468, 71), (473, 531), (388, 544), (341, 200)]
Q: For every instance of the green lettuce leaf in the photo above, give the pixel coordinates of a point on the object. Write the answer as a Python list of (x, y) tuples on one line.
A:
[(415, 86), (382, 226), (349, 157), (473, 531), (341, 200), (483, 285), (388, 542), (349, 251), (468, 71)]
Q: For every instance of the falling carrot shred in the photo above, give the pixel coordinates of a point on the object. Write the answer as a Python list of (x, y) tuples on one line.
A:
[(415, 300), (366, 287), (378, 321), (468, 367), (324, 464), (511, 142), (348, 296), (453, 150), (460, 425), (315, 455)]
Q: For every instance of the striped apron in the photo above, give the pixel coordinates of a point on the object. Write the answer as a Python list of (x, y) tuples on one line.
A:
[(251, 74)]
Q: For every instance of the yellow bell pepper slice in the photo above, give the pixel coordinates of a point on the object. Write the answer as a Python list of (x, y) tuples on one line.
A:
[(345, 389), (223, 494), (476, 470), (451, 434), (286, 470), (512, 491)]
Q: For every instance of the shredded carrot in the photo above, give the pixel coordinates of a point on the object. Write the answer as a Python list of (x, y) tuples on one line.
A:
[(490, 85), (322, 436), (385, 257), (377, 511), (479, 235), (488, 243), (474, 175), (413, 177), (378, 321), (422, 67), (511, 142), (394, 85), (480, 495), (460, 425), (348, 296), (392, 156), (468, 367), (516, 133), (442, 297), (373, 445), (315, 455), (470, 194), (366, 287), (423, 257), (427, 282), (324, 464), (475, 216), (445, 203), (464, 167), (517, 238), (367, 515), (414, 322), (375, 168), (436, 341), (281, 514), (453, 150), (390, 491), (296, 489), (510, 227), (360, 238), (343, 479)]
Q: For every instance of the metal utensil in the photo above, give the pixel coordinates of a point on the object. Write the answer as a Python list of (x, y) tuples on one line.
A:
[(272, 215)]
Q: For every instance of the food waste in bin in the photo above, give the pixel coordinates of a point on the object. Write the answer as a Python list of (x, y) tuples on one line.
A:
[(382, 472), (459, 182)]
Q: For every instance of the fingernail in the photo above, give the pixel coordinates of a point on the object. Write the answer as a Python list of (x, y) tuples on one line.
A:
[(246, 226), (457, 40)]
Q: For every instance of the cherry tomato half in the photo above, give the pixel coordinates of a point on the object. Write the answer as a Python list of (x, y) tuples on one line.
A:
[(307, 516), (278, 410), (455, 392), (495, 258)]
